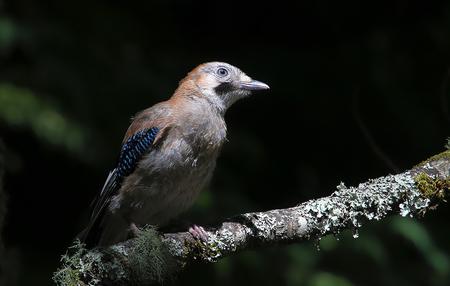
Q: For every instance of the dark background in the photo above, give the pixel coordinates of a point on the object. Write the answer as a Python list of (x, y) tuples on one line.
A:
[(359, 89)]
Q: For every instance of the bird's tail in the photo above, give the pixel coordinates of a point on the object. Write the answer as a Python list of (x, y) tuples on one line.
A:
[(108, 231), (94, 234), (91, 235)]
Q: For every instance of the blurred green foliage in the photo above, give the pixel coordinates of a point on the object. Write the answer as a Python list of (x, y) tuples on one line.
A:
[(327, 279), (419, 236), (21, 108), (8, 33)]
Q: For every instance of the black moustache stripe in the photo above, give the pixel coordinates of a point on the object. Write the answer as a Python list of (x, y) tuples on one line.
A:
[(224, 88)]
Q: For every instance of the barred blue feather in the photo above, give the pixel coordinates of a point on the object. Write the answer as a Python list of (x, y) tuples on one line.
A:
[(133, 150)]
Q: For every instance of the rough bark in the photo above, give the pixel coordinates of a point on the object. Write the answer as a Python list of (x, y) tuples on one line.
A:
[(154, 257)]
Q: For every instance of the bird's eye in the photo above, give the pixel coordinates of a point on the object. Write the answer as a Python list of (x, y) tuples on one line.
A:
[(222, 72)]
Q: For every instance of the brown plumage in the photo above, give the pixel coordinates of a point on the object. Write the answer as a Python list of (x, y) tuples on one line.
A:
[(169, 153)]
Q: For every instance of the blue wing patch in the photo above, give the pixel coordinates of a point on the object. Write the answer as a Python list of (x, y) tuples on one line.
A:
[(133, 150)]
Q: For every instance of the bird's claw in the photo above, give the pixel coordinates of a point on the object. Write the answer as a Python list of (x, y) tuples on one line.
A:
[(134, 231), (199, 233)]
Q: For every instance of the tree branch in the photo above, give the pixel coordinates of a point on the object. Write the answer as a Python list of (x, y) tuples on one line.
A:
[(154, 257)]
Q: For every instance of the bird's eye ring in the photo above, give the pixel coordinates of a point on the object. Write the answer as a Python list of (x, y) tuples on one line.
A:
[(222, 72)]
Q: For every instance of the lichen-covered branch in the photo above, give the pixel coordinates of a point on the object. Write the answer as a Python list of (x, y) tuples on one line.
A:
[(154, 257)]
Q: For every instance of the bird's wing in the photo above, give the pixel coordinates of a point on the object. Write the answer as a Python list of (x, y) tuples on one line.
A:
[(133, 149), (143, 135), (146, 129)]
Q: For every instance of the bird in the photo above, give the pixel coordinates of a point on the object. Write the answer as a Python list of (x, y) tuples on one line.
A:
[(168, 155)]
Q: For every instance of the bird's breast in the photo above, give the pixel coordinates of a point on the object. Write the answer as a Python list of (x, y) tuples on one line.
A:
[(170, 177)]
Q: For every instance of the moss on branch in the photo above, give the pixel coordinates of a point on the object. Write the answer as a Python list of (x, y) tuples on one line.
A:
[(432, 188)]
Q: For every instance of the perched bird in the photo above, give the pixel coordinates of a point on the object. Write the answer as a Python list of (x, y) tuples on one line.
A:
[(168, 155)]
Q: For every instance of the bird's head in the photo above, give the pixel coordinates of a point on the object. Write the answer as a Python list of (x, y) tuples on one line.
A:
[(222, 84)]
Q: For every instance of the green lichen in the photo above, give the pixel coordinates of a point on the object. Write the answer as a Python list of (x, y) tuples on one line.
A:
[(209, 251), (447, 145), (432, 188), (150, 260), (70, 272), (444, 155)]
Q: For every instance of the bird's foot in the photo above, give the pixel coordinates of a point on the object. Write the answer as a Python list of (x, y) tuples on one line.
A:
[(134, 231), (199, 233)]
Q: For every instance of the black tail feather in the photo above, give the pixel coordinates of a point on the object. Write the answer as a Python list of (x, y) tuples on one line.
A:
[(91, 235)]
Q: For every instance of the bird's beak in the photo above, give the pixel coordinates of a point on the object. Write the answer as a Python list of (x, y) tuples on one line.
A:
[(253, 85)]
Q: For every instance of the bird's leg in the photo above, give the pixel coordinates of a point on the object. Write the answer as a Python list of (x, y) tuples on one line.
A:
[(199, 233)]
